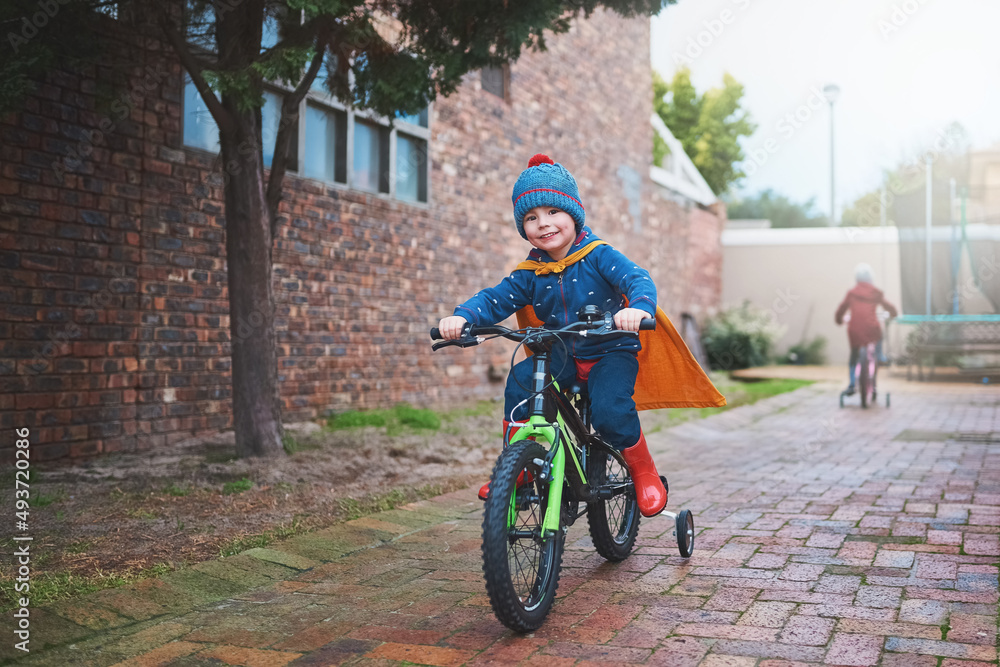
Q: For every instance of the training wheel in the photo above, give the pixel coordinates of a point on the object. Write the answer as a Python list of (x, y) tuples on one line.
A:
[(841, 399), (887, 399), (685, 533)]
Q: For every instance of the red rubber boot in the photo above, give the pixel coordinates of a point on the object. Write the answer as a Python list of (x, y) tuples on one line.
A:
[(649, 491), (484, 490)]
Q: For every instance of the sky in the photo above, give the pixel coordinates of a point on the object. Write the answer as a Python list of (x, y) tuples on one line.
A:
[(906, 70)]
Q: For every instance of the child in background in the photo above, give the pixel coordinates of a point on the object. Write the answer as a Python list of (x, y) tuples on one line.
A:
[(863, 328)]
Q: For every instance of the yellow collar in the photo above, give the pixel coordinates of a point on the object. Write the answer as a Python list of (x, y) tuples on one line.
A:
[(542, 268)]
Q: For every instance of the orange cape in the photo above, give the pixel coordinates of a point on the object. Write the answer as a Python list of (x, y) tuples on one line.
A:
[(669, 376)]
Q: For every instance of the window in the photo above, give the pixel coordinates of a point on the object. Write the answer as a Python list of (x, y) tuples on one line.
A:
[(326, 147), (200, 130), (496, 80), (332, 143)]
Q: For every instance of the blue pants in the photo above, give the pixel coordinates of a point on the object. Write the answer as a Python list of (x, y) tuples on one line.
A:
[(611, 384)]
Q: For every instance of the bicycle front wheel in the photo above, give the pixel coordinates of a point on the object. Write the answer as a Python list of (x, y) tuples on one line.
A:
[(520, 563), (614, 523)]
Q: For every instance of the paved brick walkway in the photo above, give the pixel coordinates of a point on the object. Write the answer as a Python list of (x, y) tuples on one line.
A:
[(827, 536)]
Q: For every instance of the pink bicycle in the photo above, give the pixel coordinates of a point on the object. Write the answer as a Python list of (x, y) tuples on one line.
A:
[(866, 372)]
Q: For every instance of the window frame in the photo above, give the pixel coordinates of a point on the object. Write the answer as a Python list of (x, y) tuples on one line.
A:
[(325, 101)]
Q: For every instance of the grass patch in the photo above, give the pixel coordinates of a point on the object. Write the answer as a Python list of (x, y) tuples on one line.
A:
[(48, 587), (244, 542), (45, 499), (79, 547), (394, 420), (239, 486), (178, 491)]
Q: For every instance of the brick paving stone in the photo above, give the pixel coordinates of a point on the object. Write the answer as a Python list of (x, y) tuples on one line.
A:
[(913, 630), (858, 551), (944, 537), (767, 560), (680, 652), (951, 662), (767, 614), (825, 540), (727, 631), (936, 569), (850, 649), (910, 660), (838, 583), (732, 599), (715, 660), (768, 650), (888, 558), (972, 629), (929, 612), (807, 630), (801, 572), (162, 655), (422, 655), (941, 648), (238, 655), (879, 596)]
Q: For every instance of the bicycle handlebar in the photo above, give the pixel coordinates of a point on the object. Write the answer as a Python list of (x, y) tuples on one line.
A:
[(471, 332)]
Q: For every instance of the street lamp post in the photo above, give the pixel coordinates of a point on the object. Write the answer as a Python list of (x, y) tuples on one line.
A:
[(831, 91)]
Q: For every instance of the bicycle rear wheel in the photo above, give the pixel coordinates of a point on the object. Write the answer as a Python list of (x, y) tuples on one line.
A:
[(520, 563), (614, 523)]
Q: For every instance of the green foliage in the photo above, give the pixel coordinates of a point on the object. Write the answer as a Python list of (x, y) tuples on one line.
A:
[(709, 126), (48, 587), (37, 39), (949, 161), (812, 353), (392, 419), (740, 337), (779, 209), (177, 491), (239, 486)]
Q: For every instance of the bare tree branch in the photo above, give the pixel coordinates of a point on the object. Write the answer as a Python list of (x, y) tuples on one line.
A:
[(194, 69), (286, 130)]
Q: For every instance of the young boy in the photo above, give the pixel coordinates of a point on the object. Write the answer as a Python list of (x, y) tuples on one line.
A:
[(550, 216), (863, 328)]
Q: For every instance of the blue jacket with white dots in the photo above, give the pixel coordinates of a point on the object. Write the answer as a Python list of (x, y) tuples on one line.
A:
[(601, 279)]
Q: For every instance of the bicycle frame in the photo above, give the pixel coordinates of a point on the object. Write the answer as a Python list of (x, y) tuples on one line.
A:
[(549, 400)]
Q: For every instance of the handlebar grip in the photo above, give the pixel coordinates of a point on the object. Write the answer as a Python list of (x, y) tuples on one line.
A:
[(647, 324), (435, 334)]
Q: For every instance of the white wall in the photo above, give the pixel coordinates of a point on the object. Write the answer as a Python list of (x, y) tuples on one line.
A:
[(802, 275)]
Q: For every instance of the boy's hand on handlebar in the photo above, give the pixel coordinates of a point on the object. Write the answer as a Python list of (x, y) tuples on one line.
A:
[(628, 319), (451, 327)]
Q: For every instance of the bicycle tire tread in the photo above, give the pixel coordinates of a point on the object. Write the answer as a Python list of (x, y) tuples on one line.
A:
[(503, 599)]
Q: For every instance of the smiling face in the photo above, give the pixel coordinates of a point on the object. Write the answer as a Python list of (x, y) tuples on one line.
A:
[(550, 229)]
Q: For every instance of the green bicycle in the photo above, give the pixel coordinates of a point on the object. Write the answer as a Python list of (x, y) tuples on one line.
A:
[(551, 465)]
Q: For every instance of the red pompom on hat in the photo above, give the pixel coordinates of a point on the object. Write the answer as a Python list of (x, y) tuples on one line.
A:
[(538, 159)]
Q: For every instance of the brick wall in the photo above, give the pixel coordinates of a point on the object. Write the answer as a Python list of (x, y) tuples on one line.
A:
[(113, 295)]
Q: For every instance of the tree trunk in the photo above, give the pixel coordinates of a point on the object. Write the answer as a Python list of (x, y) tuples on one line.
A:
[(256, 403)]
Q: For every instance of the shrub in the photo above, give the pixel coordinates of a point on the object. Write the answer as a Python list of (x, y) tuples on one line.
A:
[(812, 353), (740, 337)]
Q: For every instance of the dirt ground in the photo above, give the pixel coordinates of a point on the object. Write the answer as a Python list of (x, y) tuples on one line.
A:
[(119, 514)]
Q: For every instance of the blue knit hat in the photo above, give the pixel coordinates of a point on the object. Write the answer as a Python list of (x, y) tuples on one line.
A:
[(546, 183)]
